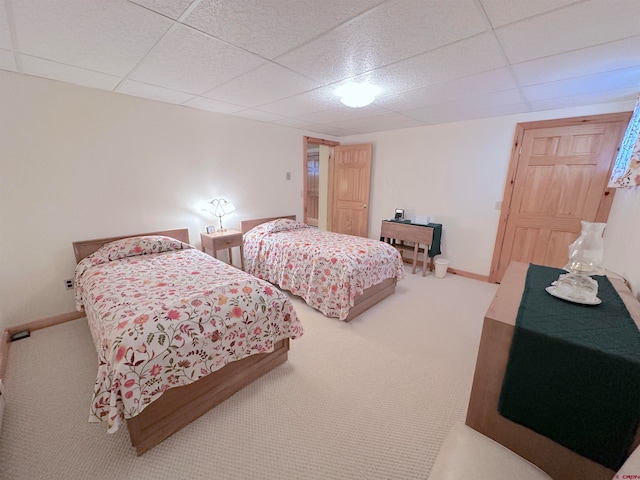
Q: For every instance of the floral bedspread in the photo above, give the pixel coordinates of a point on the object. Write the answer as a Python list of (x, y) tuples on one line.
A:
[(163, 314), (326, 269)]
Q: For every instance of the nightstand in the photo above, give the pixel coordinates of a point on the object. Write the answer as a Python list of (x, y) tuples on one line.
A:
[(212, 242)]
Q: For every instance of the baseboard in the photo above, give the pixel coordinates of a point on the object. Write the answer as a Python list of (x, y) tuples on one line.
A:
[(31, 326), (462, 273)]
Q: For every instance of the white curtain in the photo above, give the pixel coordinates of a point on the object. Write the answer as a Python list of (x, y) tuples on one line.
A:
[(626, 169)]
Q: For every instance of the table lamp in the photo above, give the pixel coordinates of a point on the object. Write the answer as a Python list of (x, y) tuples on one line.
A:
[(221, 207), (585, 259)]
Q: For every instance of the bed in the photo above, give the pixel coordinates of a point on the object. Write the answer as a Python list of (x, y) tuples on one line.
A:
[(176, 331), (339, 275)]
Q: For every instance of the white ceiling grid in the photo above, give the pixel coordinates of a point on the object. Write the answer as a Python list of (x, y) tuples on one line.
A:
[(279, 61)]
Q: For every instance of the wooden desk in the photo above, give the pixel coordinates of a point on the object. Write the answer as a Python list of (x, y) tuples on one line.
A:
[(392, 232), (493, 354)]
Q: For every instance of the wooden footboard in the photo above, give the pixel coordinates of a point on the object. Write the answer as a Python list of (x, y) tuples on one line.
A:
[(371, 296), (178, 407)]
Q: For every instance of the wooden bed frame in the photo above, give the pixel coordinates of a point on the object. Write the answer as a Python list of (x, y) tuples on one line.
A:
[(179, 406), (366, 300)]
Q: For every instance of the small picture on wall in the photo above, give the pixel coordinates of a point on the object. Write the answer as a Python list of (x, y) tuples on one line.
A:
[(211, 229)]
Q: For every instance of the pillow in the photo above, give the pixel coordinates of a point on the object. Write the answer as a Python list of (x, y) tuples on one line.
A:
[(133, 246), (282, 225), (123, 248)]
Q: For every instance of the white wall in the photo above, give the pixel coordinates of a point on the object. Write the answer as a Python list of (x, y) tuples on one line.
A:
[(78, 163), (456, 173)]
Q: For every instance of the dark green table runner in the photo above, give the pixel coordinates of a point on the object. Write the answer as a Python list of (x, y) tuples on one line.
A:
[(573, 373)]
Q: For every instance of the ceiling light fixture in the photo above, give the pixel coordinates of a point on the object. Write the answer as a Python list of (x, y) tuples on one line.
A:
[(356, 95)]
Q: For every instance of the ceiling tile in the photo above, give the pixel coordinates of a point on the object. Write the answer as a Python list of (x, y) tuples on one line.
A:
[(8, 61), (461, 59), (453, 90), (569, 29), (616, 80), (5, 35), (501, 12), (293, 122), (610, 56), (153, 92), (190, 61), (203, 103), (494, 104), (258, 115), (308, 102), (67, 73), (342, 113), (272, 27), (109, 37), (394, 31), (170, 8), (377, 123), (265, 84), (333, 131), (626, 94)]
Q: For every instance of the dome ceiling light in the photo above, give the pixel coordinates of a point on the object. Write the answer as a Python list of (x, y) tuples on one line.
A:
[(356, 95)]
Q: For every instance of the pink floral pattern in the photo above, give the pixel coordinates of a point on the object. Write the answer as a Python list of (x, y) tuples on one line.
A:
[(326, 269), (168, 316)]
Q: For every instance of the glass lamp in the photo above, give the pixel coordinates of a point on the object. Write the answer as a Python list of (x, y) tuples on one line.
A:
[(585, 259), (221, 207)]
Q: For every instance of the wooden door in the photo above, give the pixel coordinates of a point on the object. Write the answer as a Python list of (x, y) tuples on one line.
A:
[(557, 177), (349, 181), (313, 187), (310, 213)]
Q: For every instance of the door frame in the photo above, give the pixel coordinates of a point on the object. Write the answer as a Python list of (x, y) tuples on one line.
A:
[(314, 141), (605, 203)]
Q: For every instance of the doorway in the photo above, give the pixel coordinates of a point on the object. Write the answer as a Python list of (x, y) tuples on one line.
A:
[(336, 186), (557, 177), (317, 154)]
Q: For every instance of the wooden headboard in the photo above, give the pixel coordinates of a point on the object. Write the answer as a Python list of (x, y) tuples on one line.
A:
[(247, 225), (84, 248)]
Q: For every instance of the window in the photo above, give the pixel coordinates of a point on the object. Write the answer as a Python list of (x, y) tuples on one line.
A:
[(626, 169)]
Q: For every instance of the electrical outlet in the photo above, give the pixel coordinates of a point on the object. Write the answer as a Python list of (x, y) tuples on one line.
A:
[(68, 283), (288, 176)]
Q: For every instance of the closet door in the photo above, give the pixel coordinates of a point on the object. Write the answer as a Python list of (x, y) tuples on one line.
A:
[(557, 177)]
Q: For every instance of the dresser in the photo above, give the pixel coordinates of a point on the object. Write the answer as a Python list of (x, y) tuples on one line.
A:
[(483, 413)]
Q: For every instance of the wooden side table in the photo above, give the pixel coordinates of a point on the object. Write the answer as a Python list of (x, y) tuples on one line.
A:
[(227, 239)]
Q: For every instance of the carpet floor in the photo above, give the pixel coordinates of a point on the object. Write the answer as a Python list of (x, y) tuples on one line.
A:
[(369, 399)]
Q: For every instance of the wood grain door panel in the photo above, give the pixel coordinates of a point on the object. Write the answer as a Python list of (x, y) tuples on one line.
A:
[(558, 177), (349, 189)]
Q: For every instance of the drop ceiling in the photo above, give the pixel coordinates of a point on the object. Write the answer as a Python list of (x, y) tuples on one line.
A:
[(279, 61)]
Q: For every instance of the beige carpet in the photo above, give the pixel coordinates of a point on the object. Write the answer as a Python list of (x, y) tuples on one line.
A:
[(370, 399)]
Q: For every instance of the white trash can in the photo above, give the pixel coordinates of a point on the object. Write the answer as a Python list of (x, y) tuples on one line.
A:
[(441, 267)]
